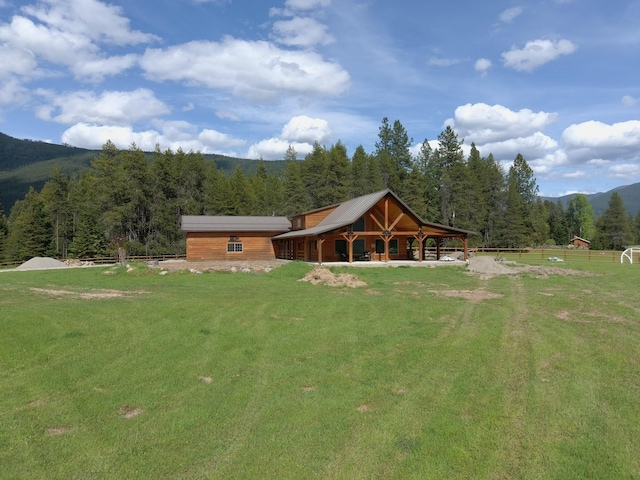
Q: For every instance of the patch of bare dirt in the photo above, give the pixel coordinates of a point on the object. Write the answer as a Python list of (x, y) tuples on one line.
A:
[(205, 379), (92, 295), (54, 432), (308, 388), (474, 296), (129, 411), (237, 266), (323, 276), (488, 267), (365, 408)]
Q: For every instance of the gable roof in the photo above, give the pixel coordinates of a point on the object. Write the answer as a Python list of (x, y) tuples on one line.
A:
[(575, 237), (204, 223), (349, 212)]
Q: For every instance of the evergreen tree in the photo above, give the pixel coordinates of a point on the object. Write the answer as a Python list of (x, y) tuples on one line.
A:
[(614, 224), (448, 159), (393, 151), (315, 170), (242, 194), (218, 199), (336, 182), (3, 233), (88, 240), (136, 195), (487, 192), (540, 224), (259, 186), (360, 181), (55, 195), (29, 229), (558, 231), (295, 192)]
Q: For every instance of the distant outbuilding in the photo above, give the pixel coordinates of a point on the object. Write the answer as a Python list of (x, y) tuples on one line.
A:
[(577, 242)]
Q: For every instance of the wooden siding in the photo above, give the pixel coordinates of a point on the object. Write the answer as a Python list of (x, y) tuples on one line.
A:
[(213, 246)]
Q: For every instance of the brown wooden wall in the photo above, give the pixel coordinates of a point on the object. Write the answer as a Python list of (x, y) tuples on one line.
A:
[(213, 246)]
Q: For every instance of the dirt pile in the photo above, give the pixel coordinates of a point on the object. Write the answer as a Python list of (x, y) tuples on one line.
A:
[(41, 263), (323, 276)]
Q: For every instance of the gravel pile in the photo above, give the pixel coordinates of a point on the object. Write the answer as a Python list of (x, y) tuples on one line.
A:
[(42, 263)]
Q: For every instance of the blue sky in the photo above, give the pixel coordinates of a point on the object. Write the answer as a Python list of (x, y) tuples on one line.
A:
[(555, 80)]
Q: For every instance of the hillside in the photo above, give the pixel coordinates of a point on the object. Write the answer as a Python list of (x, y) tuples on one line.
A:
[(25, 163), (630, 195)]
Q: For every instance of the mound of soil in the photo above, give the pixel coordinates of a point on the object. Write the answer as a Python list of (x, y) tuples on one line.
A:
[(41, 263), (323, 276)]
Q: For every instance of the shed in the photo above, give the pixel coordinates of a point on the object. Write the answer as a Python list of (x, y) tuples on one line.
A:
[(578, 242)]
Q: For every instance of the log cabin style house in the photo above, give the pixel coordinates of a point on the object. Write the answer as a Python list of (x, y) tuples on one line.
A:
[(375, 227)]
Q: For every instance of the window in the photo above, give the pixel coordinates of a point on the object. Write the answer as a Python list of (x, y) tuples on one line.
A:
[(234, 247), (393, 245), (359, 225)]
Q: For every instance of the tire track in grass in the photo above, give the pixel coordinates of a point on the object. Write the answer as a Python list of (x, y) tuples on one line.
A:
[(517, 375)]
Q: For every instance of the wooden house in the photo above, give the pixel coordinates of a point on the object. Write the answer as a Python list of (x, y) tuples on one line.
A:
[(232, 238), (378, 227), (577, 242)]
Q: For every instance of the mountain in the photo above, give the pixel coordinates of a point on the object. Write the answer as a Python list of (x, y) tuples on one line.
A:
[(27, 163), (630, 195)]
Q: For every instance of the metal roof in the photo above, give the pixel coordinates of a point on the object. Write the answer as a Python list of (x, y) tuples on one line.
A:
[(352, 210), (203, 223)]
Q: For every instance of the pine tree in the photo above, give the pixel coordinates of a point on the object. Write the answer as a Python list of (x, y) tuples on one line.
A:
[(614, 223), (88, 239), (55, 195), (29, 229), (3, 233), (448, 159), (295, 192)]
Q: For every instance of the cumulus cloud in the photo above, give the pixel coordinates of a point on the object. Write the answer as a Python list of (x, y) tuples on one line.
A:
[(301, 32), (307, 4), (483, 65), (536, 53), (300, 132), (629, 101), (255, 70), (87, 19), (593, 141), (112, 107), (70, 33), (482, 123), (171, 135), (13, 92)]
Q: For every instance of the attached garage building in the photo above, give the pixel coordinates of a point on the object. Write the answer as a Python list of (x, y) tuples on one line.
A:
[(232, 238)]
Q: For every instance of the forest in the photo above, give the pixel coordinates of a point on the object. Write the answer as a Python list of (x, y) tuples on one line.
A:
[(126, 200)]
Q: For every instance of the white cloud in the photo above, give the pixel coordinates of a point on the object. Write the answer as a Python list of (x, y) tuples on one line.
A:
[(111, 108), (307, 130), (300, 132), (536, 53), (483, 65), (301, 32), (88, 19), (16, 61), (254, 70), (69, 33), (596, 141), (173, 135), (510, 14), (307, 4), (629, 101), (482, 123), (12, 92)]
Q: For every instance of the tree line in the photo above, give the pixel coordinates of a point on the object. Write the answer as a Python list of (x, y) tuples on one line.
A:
[(127, 201)]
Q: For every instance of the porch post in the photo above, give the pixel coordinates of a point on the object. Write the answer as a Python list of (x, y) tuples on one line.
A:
[(320, 241), (438, 242), (466, 250)]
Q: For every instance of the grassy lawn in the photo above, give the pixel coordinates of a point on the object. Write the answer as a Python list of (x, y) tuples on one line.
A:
[(112, 374)]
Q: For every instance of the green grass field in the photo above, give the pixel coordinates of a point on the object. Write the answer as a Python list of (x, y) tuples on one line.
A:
[(109, 374)]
